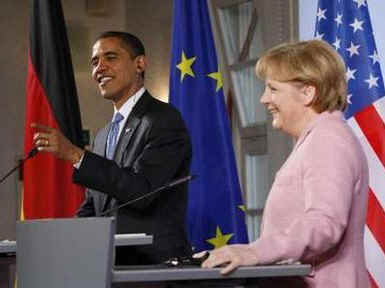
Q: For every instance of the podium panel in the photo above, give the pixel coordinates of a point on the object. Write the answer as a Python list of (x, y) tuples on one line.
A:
[(64, 253), (7, 263), (195, 277), (153, 273), (78, 252)]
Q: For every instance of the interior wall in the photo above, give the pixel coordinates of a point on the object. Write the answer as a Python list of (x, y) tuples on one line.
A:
[(152, 23), (83, 26), (13, 63)]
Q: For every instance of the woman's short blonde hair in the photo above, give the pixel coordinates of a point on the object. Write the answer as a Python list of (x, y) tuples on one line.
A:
[(312, 62)]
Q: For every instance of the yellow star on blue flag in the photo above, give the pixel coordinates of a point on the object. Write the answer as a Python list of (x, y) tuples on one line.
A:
[(242, 207), (185, 66), (217, 76), (193, 70), (220, 239)]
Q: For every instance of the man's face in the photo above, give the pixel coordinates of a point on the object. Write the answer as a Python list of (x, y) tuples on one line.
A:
[(117, 74)]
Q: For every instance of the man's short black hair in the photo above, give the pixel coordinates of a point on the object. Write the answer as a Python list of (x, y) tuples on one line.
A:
[(132, 43)]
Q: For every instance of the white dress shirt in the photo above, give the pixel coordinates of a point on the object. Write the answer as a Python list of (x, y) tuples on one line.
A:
[(125, 110)]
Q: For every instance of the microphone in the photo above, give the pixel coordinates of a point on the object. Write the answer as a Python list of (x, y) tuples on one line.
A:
[(161, 188), (30, 154)]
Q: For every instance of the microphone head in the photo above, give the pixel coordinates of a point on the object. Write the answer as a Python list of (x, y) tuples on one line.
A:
[(32, 153)]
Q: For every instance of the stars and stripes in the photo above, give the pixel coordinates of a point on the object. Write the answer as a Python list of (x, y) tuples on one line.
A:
[(346, 25)]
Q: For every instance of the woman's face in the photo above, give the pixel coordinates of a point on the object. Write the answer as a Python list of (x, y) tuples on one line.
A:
[(287, 102)]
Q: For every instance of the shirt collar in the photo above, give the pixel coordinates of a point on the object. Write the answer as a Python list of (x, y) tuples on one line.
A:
[(127, 107)]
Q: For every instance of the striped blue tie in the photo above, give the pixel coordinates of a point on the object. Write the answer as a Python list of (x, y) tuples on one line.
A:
[(112, 138)]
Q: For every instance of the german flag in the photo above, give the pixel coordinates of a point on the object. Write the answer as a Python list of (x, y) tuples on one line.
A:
[(51, 100)]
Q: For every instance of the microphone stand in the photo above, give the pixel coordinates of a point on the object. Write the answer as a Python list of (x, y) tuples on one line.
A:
[(30, 154), (161, 188)]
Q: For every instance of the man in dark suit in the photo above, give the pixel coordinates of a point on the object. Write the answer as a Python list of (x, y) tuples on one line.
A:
[(144, 147)]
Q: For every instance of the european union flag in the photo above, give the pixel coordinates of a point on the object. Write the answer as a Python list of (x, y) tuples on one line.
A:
[(216, 213)]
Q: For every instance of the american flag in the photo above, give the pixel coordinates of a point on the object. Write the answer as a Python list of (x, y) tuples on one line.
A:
[(346, 25)]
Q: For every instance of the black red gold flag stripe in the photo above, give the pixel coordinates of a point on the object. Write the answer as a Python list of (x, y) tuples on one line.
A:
[(51, 99)]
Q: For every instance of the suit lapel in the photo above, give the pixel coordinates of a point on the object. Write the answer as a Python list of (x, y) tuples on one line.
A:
[(125, 137), (131, 125)]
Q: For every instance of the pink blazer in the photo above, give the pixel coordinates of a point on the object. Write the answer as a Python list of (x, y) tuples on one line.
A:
[(316, 210)]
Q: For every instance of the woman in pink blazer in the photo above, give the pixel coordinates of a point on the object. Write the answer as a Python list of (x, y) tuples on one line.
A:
[(315, 212)]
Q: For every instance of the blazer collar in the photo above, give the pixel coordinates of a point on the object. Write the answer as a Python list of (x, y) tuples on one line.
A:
[(131, 124), (320, 118)]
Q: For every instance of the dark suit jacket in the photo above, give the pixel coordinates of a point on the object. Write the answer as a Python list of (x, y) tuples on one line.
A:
[(153, 149)]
